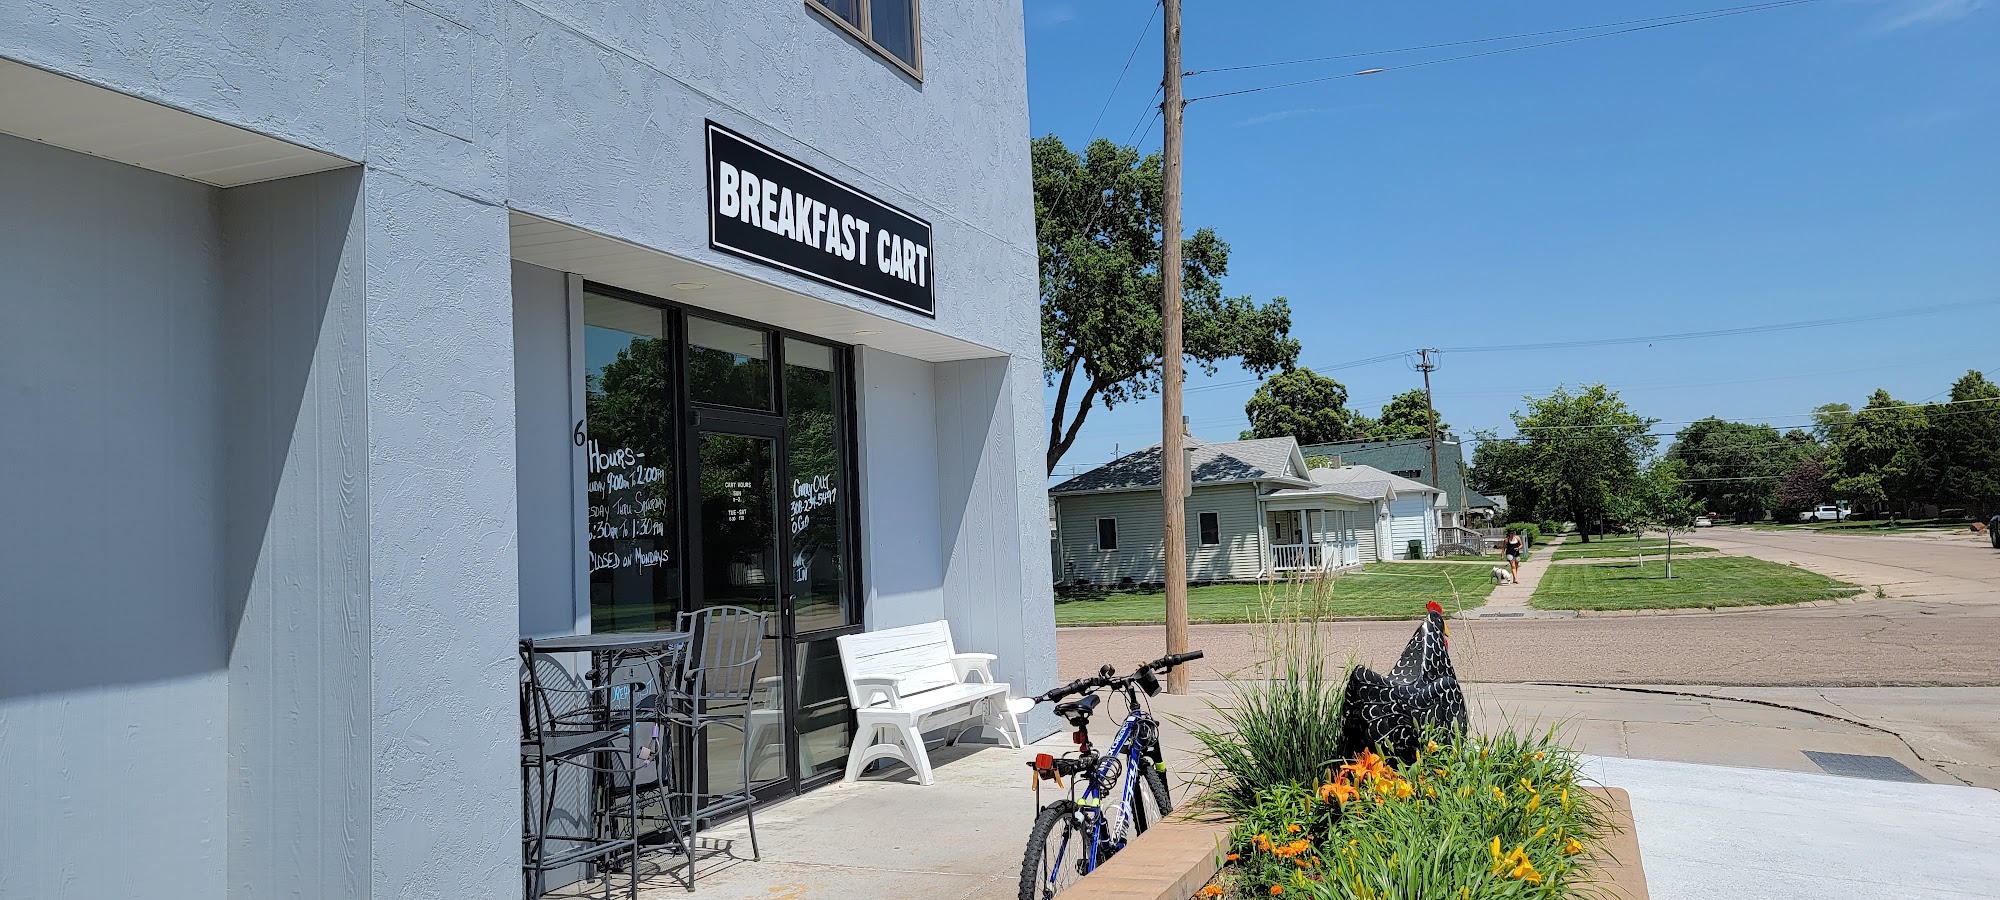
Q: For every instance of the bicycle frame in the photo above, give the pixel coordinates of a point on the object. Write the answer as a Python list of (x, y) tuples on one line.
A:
[(1126, 749)]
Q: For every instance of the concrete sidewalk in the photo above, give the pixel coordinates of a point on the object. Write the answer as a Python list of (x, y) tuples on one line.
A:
[(1510, 601), (1726, 833), (1709, 826)]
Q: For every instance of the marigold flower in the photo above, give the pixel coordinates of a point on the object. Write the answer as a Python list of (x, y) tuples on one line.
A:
[(1232, 857), (1211, 891), (1293, 828), (1276, 890)]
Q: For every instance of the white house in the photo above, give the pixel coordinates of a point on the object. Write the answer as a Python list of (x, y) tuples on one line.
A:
[(1253, 510)]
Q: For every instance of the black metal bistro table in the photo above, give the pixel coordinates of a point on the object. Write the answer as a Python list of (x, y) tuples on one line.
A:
[(615, 720)]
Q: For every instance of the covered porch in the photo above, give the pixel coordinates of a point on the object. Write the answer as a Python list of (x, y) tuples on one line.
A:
[(1309, 536)]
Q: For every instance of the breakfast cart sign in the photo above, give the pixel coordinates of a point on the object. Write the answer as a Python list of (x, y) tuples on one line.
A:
[(766, 206)]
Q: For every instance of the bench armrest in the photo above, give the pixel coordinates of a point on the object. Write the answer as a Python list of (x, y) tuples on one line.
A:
[(969, 664), (875, 688)]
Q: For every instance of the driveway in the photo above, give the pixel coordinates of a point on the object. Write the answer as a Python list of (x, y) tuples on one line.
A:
[(1944, 564)]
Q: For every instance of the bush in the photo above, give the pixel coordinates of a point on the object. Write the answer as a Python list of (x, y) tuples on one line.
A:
[(1282, 724), (1503, 816), (1552, 528), (1528, 530)]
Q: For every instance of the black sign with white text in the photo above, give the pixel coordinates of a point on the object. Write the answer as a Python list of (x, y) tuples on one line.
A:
[(765, 206)]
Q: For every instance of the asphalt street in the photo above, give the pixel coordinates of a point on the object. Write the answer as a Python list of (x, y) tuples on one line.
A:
[(1939, 626)]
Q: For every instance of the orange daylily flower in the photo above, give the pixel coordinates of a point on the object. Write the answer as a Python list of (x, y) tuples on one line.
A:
[(1572, 848), (1340, 791)]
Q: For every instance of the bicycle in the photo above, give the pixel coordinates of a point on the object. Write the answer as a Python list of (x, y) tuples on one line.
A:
[(1075, 835)]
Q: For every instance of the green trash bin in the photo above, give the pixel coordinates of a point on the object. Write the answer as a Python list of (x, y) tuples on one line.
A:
[(1417, 549)]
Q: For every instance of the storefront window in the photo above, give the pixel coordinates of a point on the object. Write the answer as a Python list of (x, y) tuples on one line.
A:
[(818, 501), (635, 577), (728, 365)]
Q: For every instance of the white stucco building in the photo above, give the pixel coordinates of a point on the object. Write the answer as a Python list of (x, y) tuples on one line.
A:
[(343, 345)]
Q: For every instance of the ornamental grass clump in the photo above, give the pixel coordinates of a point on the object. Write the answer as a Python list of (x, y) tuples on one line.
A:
[(1281, 722), (1501, 816)]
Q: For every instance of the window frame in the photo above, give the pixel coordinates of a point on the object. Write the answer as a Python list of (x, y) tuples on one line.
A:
[(861, 31), (1201, 529), (1114, 533)]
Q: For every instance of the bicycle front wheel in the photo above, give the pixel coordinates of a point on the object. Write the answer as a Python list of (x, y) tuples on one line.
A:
[(1057, 849)]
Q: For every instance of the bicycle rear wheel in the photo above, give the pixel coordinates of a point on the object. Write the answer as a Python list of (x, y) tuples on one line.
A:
[(1057, 847)]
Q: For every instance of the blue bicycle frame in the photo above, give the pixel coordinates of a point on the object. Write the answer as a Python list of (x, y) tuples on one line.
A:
[(1093, 793)]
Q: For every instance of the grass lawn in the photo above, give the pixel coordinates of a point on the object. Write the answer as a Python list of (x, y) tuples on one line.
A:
[(1485, 557), (1380, 589), (1704, 582), (1625, 548)]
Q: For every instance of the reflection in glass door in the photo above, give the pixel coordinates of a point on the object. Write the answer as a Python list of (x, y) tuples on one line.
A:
[(739, 566)]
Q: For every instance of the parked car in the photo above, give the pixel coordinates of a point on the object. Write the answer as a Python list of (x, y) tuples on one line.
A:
[(1703, 522), (1827, 513)]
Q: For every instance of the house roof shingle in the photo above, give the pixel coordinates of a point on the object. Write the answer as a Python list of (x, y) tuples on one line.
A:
[(1267, 459), (1409, 455)]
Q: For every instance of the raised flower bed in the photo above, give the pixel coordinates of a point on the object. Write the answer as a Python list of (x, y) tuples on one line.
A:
[(1319, 812)]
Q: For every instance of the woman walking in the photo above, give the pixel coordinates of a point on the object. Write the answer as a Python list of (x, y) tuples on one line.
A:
[(1513, 549)]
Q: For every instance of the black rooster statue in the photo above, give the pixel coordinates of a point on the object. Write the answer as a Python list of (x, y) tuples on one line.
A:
[(1389, 715)]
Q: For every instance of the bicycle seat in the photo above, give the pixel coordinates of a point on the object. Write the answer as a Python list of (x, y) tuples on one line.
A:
[(1077, 708)]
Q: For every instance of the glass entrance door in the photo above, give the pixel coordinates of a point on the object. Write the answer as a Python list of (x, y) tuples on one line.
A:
[(737, 545)]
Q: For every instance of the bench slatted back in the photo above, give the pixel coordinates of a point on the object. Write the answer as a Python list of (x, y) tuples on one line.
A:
[(919, 654)]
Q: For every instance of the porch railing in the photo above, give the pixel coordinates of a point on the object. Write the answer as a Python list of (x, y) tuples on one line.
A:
[(1293, 557)]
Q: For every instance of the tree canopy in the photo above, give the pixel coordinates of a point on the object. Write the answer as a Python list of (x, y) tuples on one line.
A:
[(1303, 404), (1733, 467), (1406, 415), (1961, 446), (1097, 229), (1874, 457), (1577, 454)]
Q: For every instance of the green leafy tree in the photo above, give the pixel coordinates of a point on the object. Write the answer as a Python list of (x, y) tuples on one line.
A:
[(1961, 447), (1733, 467), (1302, 404), (1829, 419), (1659, 500), (1502, 466), (1097, 228), (1407, 415), (1581, 451), (1874, 459)]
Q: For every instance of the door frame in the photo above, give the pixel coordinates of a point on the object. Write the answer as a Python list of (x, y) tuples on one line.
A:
[(690, 419)]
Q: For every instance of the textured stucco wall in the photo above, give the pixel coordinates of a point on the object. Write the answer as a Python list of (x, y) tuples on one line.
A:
[(113, 639), (902, 550), (546, 480), (588, 113), (297, 555), (441, 556)]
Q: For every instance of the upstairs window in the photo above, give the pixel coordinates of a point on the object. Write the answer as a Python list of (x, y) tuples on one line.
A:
[(890, 27)]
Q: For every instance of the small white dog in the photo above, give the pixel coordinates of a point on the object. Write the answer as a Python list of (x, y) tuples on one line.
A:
[(1502, 576)]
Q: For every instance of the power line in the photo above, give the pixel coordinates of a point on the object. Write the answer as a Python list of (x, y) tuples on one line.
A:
[(1692, 18), (1485, 40), (1115, 85), (1729, 332)]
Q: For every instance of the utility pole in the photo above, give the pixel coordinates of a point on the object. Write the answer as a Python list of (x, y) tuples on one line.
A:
[(1173, 462), (1425, 364)]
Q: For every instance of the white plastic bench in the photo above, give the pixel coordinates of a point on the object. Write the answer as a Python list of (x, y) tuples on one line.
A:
[(905, 681)]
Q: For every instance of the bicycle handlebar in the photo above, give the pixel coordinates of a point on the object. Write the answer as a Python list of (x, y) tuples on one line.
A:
[(1084, 685)]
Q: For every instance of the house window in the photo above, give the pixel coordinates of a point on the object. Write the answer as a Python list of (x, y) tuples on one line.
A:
[(889, 27), (1412, 474), (1107, 534), (1211, 530)]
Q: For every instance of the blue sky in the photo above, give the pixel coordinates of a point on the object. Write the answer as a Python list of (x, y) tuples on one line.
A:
[(1836, 158)]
